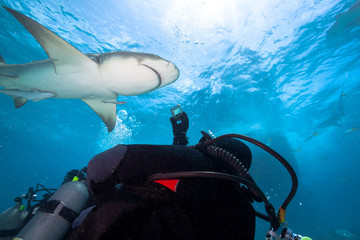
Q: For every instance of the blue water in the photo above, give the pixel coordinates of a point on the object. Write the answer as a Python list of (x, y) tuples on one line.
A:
[(284, 72)]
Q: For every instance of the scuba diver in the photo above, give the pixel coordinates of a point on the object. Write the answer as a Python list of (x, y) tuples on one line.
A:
[(13, 219), (131, 206), (165, 192), (179, 192)]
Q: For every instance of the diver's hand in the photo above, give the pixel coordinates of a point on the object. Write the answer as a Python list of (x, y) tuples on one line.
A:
[(182, 126), (180, 129)]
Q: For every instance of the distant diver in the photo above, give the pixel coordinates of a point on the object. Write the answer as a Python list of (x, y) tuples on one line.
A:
[(96, 78)]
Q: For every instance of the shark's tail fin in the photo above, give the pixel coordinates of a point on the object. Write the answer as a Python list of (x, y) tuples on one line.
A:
[(7, 75), (5, 79), (2, 61)]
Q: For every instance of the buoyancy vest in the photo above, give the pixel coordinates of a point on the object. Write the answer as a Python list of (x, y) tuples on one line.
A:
[(131, 207)]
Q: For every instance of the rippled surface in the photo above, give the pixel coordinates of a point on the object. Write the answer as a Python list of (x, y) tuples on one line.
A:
[(284, 72)]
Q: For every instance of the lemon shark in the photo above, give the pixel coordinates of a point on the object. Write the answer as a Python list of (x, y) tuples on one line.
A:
[(97, 78)]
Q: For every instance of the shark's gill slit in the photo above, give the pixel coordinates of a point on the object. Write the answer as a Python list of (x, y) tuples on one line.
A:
[(157, 73)]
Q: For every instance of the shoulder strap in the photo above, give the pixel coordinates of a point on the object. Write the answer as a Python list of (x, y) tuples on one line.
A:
[(56, 207)]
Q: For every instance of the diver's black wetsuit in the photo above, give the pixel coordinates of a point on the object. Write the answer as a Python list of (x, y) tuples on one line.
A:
[(131, 207)]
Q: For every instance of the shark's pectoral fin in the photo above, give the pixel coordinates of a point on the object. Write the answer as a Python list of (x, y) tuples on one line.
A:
[(66, 58), (19, 101), (105, 110)]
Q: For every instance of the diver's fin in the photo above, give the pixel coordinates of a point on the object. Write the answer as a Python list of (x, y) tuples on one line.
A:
[(106, 111), (20, 101), (66, 58)]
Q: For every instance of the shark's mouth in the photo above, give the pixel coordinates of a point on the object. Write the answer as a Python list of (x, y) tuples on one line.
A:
[(157, 74)]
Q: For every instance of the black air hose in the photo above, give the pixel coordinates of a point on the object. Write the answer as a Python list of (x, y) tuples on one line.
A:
[(282, 209), (229, 158), (237, 165)]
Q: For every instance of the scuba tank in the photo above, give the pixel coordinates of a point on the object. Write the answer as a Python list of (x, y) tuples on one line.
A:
[(53, 220), (11, 221)]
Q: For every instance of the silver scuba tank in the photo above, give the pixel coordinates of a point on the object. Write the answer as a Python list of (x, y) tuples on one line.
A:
[(53, 220), (11, 221)]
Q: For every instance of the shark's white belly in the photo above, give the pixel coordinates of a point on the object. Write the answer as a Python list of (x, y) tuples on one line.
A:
[(93, 83), (41, 76)]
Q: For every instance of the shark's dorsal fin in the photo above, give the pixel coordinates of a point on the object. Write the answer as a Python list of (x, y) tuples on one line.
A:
[(66, 58), (19, 101), (106, 111)]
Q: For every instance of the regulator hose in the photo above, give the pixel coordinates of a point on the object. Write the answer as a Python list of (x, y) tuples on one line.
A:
[(228, 157), (237, 165), (281, 214)]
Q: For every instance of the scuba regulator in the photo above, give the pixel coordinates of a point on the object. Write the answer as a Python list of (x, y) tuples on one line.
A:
[(31, 196), (279, 229), (286, 234)]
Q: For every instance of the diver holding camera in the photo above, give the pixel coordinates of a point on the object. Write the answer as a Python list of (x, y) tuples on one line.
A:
[(180, 125)]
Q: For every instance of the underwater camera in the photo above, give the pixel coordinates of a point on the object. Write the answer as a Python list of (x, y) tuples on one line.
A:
[(176, 111)]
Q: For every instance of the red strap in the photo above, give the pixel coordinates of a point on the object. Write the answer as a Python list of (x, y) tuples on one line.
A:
[(171, 183)]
